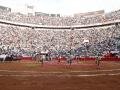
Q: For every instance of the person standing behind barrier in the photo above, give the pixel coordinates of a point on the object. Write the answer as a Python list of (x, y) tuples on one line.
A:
[(42, 59), (69, 59), (98, 61), (77, 58), (59, 58), (38, 57), (44, 56)]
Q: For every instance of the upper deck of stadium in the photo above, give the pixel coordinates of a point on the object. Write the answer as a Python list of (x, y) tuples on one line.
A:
[(85, 19)]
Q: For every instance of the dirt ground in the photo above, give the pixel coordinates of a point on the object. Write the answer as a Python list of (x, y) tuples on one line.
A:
[(84, 75)]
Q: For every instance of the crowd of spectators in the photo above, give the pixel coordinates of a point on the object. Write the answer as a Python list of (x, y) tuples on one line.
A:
[(23, 40), (28, 41), (60, 21)]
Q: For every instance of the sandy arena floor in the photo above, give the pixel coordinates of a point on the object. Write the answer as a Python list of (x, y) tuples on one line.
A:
[(59, 76)]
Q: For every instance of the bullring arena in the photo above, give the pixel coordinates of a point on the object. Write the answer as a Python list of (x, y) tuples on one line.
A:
[(83, 76), (82, 54)]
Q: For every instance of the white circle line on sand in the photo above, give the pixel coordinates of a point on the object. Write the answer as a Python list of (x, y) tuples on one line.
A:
[(68, 75), (13, 71)]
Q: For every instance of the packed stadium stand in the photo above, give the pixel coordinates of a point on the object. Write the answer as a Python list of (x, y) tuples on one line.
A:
[(20, 35)]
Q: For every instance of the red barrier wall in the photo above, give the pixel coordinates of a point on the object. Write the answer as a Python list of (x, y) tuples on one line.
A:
[(27, 58)]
